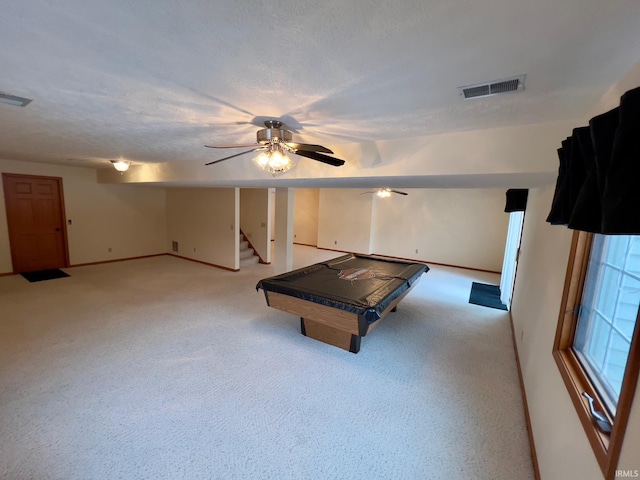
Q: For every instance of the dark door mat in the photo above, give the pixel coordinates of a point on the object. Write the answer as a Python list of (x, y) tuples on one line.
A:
[(486, 295), (44, 275)]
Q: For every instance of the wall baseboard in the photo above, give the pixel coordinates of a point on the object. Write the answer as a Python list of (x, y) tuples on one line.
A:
[(457, 266), (95, 263), (115, 260), (154, 255), (532, 444), (263, 262), (203, 263), (411, 260)]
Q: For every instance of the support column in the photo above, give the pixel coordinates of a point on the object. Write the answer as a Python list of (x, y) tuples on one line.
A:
[(284, 230)]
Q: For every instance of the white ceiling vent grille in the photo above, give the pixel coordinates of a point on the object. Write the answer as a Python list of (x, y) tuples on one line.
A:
[(496, 87), (14, 100)]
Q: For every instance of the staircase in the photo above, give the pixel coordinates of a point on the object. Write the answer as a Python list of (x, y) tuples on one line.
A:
[(247, 254)]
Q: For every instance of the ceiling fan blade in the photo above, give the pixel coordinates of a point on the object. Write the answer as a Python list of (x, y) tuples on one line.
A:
[(399, 192), (336, 162), (240, 145), (233, 156), (307, 147)]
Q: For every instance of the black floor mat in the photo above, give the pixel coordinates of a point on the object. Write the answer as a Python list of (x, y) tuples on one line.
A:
[(486, 295), (44, 275)]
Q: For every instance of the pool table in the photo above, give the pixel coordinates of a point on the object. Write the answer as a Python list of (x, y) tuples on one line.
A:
[(341, 300)]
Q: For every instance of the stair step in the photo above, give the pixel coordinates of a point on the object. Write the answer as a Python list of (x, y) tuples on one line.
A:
[(244, 244), (244, 262), (246, 253)]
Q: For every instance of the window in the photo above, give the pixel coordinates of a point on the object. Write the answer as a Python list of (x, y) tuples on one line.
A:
[(608, 312), (597, 346)]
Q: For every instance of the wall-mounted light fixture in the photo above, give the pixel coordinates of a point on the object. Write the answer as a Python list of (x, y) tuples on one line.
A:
[(121, 165)]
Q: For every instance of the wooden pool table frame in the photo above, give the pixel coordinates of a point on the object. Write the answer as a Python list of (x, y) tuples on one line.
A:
[(329, 324)]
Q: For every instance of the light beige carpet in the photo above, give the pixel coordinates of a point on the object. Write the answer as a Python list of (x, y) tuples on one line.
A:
[(162, 368)]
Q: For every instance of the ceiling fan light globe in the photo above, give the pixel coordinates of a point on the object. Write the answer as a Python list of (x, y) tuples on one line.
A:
[(279, 164), (279, 171), (279, 160), (275, 162), (384, 193), (262, 160)]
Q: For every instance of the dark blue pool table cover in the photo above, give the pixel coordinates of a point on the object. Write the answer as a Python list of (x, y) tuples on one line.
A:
[(382, 280)]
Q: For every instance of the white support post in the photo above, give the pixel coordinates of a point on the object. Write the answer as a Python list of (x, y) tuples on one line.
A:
[(284, 230)]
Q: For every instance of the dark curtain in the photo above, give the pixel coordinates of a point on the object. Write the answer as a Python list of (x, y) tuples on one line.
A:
[(560, 206), (598, 185), (516, 200), (587, 213)]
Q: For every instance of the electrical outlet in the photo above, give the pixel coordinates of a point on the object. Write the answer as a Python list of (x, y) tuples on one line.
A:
[(109, 249), (194, 249), (69, 222), (335, 242), (416, 250)]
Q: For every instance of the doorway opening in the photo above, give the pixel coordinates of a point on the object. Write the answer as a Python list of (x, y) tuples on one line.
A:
[(511, 255)]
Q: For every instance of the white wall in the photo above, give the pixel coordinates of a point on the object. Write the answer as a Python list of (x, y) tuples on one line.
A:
[(344, 220), (255, 221), (305, 216), (128, 219), (561, 445), (631, 445), (462, 227), (204, 222)]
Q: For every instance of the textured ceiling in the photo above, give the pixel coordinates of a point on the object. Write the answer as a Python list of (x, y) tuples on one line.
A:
[(152, 81)]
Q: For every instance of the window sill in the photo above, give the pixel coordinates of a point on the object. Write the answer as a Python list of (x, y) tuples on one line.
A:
[(576, 383)]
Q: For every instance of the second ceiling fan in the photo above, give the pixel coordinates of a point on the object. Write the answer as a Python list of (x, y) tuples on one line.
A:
[(385, 192), (274, 142)]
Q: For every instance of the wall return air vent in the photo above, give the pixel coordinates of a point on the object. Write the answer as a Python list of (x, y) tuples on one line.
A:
[(513, 84)]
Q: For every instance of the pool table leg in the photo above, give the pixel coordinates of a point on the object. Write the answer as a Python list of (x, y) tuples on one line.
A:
[(333, 336)]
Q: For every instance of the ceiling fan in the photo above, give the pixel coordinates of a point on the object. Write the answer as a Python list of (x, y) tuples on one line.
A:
[(385, 192), (273, 143)]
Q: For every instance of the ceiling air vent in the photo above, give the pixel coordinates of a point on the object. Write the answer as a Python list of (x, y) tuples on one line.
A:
[(13, 100), (496, 87)]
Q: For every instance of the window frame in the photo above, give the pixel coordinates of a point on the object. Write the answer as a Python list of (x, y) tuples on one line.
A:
[(606, 447)]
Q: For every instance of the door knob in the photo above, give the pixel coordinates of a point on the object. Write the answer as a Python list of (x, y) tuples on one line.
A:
[(57, 229)]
